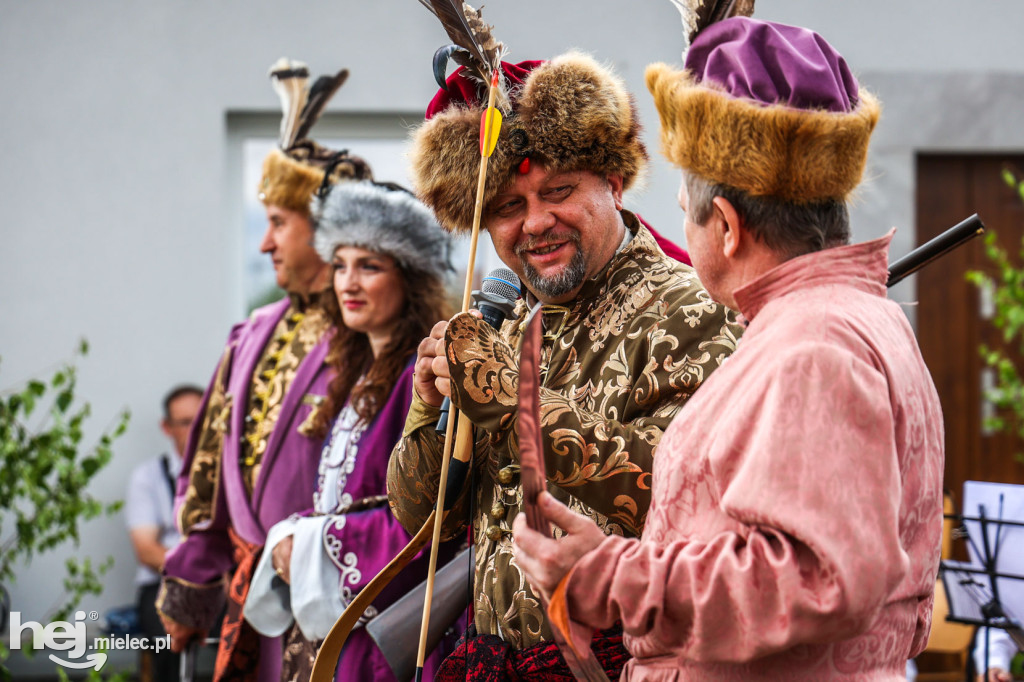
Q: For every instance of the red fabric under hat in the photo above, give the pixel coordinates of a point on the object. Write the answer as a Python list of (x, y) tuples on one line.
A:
[(465, 90)]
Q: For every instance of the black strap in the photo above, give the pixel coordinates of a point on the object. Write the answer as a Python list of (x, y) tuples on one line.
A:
[(333, 162), (165, 464)]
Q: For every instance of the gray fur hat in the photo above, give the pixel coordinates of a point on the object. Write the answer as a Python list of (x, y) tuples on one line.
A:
[(378, 218)]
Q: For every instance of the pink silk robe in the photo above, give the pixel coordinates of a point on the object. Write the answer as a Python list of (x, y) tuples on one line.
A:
[(797, 498)]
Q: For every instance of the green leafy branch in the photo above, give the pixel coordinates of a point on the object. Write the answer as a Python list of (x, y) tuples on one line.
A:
[(1007, 290), (45, 470)]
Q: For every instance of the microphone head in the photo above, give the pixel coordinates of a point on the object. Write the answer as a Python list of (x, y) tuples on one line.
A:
[(504, 283), (497, 296)]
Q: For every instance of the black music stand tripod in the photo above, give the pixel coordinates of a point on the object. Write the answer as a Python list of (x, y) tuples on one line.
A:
[(988, 591)]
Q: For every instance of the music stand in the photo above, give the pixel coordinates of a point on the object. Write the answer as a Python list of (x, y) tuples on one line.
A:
[(988, 590)]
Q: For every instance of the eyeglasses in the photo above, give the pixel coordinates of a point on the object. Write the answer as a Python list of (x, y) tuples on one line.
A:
[(178, 423)]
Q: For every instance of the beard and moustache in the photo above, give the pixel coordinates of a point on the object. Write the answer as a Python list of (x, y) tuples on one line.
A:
[(561, 283)]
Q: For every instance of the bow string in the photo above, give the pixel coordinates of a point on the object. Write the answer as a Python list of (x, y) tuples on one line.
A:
[(578, 655)]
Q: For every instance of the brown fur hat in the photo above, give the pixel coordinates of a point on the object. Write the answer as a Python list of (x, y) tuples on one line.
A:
[(291, 181), (569, 114), (766, 108)]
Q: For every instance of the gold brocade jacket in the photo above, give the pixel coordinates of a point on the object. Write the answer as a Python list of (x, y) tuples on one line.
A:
[(618, 363)]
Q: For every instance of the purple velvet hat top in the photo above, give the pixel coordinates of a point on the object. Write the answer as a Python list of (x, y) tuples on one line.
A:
[(773, 63), (769, 109)]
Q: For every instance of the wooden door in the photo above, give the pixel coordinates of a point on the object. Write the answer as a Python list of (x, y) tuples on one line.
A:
[(951, 312)]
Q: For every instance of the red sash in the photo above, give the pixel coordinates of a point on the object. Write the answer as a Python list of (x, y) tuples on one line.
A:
[(238, 654)]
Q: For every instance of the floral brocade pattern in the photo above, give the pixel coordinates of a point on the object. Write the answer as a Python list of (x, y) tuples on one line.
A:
[(201, 496), (298, 656), (617, 365)]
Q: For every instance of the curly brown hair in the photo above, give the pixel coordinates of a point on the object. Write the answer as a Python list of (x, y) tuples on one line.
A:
[(349, 352)]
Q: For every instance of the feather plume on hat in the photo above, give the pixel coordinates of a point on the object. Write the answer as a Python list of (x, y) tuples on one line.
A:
[(699, 14), (473, 47), (299, 167)]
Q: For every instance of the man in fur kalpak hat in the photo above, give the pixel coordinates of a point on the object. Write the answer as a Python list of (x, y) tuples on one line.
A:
[(796, 512), (250, 462), (630, 335)]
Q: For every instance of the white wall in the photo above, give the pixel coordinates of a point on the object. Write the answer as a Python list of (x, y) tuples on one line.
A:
[(118, 203)]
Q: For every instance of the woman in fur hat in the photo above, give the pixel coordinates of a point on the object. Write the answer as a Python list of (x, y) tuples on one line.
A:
[(389, 258)]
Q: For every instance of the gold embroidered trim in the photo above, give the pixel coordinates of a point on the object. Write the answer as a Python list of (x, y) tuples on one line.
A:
[(259, 419)]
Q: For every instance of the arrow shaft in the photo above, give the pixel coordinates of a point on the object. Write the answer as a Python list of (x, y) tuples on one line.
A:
[(330, 650), (428, 596), (464, 452)]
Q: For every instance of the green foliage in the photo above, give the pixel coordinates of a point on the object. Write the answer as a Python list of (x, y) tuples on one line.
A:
[(45, 469), (1007, 289)]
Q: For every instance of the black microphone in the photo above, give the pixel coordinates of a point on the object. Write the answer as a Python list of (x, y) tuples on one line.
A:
[(495, 299), (497, 296)]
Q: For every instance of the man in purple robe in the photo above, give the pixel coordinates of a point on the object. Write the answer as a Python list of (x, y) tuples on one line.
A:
[(250, 460)]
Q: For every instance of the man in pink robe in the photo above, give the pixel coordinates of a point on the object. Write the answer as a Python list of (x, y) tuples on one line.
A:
[(796, 509)]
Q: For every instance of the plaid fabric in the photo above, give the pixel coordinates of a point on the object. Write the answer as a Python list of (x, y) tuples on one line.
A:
[(487, 658)]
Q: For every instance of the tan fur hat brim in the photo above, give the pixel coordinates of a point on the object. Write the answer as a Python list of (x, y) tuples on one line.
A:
[(572, 114), (288, 183), (793, 154)]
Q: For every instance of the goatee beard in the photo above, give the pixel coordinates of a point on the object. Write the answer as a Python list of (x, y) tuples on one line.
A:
[(569, 279)]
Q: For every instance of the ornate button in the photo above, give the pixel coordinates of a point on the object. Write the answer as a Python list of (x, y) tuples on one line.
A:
[(493, 533), (508, 474), (519, 140), (498, 511)]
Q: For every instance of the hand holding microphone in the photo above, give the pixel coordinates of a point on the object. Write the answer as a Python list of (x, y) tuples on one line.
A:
[(425, 379), (495, 300)]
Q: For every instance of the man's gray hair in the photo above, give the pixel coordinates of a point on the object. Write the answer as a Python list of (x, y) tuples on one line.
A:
[(786, 228)]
